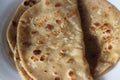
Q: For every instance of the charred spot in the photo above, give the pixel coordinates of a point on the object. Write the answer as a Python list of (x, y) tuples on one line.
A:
[(42, 58), (106, 24), (30, 2), (14, 23), (45, 71), (17, 58), (57, 78), (37, 52), (71, 73), (26, 3), (108, 31), (97, 24), (57, 4), (58, 21), (49, 27), (110, 47), (34, 2)]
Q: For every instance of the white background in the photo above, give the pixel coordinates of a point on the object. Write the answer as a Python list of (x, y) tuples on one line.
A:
[(7, 69)]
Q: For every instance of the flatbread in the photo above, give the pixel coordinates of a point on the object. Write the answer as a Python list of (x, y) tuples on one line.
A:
[(101, 26), (12, 28), (50, 42), (12, 33), (19, 66)]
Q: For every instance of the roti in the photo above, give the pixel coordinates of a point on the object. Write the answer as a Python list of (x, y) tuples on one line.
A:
[(50, 41), (12, 28), (101, 26), (12, 33)]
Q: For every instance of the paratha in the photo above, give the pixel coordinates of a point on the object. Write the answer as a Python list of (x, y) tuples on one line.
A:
[(12, 33), (101, 26), (50, 41)]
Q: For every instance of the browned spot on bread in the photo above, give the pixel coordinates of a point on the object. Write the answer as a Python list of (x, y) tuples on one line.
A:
[(34, 32), (55, 73), (34, 58), (45, 71), (57, 4), (97, 24), (57, 78), (71, 73), (105, 26), (108, 31), (93, 8), (47, 3), (49, 27), (110, 47), (43, 57), (17, 58), (30, 2), (14, 23), (26, 3), (37, 52), (58, 21)]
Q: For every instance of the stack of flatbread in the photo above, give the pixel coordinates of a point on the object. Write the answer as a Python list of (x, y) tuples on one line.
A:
[(64, 39)]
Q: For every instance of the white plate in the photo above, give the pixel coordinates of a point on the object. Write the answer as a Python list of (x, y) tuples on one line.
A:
[(7, 70)]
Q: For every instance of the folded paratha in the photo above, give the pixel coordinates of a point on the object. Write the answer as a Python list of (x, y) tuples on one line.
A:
[(101, 26), (12, 33), (50, 41)]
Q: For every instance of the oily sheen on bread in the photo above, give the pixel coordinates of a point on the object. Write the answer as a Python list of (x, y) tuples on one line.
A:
[(50, 41), (101, 25), (12, 33)]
